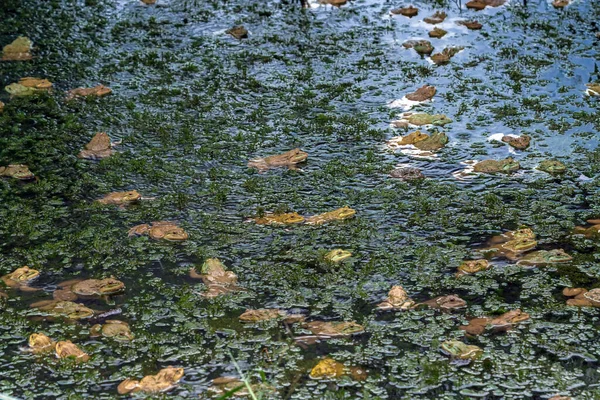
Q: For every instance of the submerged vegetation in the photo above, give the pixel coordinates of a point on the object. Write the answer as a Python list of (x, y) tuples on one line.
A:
[(202, 112)]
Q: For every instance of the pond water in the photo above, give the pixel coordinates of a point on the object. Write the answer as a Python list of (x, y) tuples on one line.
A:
[(192, 105)]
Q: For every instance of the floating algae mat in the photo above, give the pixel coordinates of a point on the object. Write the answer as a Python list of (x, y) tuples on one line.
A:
[(186, 93)]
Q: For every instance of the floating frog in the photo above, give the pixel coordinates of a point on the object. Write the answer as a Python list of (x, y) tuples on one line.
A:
[(411, 138), (165, 380), (450, 302), (67, 349), (262, 314), (333, 329), (216, 278), (238, 32), (121, 198), (335, 3), (41, 344), (437, 18), (66, 309), (77, 288), (425, 119), (593, 89), (591, 231), (28, 86), (561, 3), (288, 159), (424, 93), (472, 25), (17, 171), (327, 368), (545, 257), (472, 266), (578, 297), (409, 11), (279, 219), (481, 4), (552, 167), (98, 148), (18, 50), (445, 56), (437, 33), (493, 166), (501, 323), (397, 300), (114, 329), (422, 47), (160, 230), (434, 142), (149, 2), (20, 278), (519, 143), (337, 255), (407, 174), (335, 215), (460, 352), (511, 244), (96, 91)]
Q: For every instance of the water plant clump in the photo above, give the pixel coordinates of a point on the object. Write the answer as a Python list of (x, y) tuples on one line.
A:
[(345, 269)]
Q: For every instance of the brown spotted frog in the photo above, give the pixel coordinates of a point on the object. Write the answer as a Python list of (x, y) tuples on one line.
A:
[(411, 138), (446, 303), (17, 171), (98, 148), (77, 288), (500, 323), (437, 33), (39, 343), (160, 230), (165, 380), (335, 215), (288, 159), (67, 349), (121, 198), (582, 297), (424, 93), (519, 142), (96, 91), (327, 368), (238, 32), (434, 142), (445, 56), (437, 18)]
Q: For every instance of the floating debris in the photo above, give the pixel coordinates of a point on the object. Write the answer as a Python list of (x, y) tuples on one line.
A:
[(96, 91), (18, 50), (98, 148), (238, 32), (165, 380), (288, 159), (409, 11), (437, 18), (29, 86), (335, 215), (160, 230)]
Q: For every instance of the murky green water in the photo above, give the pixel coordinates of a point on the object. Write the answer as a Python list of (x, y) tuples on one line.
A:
[(193, 105)]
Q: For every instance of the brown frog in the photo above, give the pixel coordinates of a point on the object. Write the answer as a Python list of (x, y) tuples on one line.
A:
[(29, 86), (434, 142), (17, 171), (18, 50), (446, 303), (472, 266), (39, 343), (422, 47), (165, 380), (507, 165), (519, 143), (238, 32), (216, 278), (437, 33), (262, 314), (437, 18), (397, 300), (96, 91), (561, 3), (66, 309), (592, 231), (407, 174), (472, 25), (593, 89), (424, 93), (21, 278), (98, 148), (279, 219), (67, 349), (121, 198), (326, 330), (582, 297), (445, 56), (481, 4), (411, 138), (409, 11), (501, 323), (288, 159), (77, 288), (114, 329), (335, 215), (160, 230)]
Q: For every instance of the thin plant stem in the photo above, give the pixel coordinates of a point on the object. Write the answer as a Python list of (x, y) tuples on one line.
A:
[(244, 379)]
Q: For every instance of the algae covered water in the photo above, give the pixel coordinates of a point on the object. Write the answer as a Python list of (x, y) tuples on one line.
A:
[(191, 105)]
